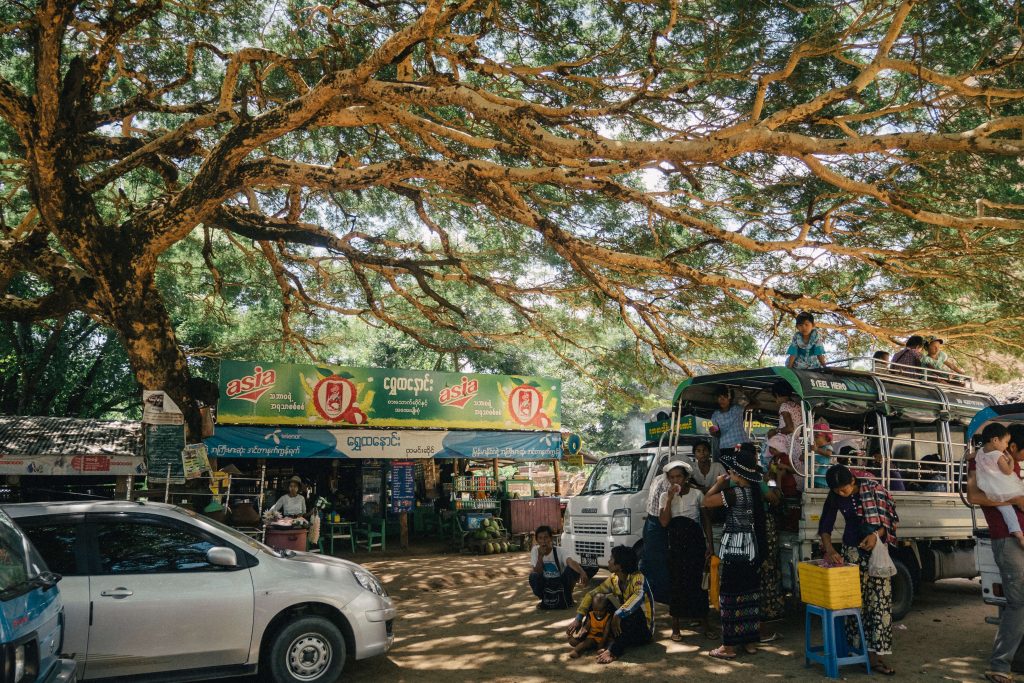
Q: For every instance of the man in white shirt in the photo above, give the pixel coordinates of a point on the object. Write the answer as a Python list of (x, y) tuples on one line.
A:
[(553, 568)]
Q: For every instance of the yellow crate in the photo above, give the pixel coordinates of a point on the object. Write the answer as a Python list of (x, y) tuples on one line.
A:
[(829, 587)]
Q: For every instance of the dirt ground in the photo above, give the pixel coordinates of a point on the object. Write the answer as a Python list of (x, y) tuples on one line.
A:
[(470, 618)]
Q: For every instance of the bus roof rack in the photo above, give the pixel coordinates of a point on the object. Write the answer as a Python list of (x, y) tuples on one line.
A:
[(908, 374)]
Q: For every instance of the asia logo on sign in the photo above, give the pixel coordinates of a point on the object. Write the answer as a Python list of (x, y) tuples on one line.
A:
[(526, 404), (251, 387), (460, 394), (335, 399)]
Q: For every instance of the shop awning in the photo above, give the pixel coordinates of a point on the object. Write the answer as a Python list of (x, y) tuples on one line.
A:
[(403, 444), (70, 446)]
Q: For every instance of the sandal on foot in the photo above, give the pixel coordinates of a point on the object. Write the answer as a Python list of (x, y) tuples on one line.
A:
[(770, 638), (677, 637), (721, 653), (887, 670), (998, 677)]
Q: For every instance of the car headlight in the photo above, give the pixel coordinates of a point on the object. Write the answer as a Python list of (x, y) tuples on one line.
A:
[(621, 521), (370, 582), (19, 663)]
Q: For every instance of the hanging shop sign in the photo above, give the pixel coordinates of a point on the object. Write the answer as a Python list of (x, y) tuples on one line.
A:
[(405, 444), (195, 460), (90, 464), (342, 397), (163, 447)]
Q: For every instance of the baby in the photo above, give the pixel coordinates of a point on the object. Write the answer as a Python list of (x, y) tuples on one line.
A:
[(996, 477), (594, 632), (822, 455)]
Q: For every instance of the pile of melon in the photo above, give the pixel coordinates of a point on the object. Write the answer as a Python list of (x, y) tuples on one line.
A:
[(489, 538)]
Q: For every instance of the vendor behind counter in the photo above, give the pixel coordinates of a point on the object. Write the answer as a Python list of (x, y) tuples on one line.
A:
[(292, 504)]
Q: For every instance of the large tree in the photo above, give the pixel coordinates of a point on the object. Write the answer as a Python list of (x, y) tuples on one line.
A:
[(487, 171)]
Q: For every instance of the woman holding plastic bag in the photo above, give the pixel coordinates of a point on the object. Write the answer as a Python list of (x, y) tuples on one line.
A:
[(871, 521)]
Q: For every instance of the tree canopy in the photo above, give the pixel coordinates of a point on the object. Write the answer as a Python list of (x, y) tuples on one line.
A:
[(659, 182)]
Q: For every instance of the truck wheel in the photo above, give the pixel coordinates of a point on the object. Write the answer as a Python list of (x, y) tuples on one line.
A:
[(307, 650), (902, 590)]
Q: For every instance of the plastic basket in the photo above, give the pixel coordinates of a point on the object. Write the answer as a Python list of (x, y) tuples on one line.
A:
[(829, 587)]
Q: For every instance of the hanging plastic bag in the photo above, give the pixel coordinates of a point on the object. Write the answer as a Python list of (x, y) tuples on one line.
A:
[(880, 564)]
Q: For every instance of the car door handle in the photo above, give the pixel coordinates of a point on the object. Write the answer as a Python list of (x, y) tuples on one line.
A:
[(120, 592)]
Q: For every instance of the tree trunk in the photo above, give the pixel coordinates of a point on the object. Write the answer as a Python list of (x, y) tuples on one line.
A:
[(148, 336)]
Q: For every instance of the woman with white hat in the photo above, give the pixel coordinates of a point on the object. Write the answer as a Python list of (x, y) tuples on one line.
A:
[(743, 550), (681, 511)]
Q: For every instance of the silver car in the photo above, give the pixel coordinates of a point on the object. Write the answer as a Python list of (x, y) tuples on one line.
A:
[(154, 592)]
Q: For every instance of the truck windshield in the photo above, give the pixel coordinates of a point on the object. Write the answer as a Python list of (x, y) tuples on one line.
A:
[(13, 564), (619, 474)]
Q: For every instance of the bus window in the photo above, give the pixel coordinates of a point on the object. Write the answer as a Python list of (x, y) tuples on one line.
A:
[(917, 455)]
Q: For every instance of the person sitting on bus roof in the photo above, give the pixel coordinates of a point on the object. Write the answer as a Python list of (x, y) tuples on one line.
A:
[(935, 358), (880, 361), (806, 352), (909, 357)]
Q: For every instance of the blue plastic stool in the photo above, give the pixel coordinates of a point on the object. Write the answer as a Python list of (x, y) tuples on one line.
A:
[(834, 651)]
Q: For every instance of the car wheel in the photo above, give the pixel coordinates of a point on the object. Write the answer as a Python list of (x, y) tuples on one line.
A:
[(902, 591), (307, 650)]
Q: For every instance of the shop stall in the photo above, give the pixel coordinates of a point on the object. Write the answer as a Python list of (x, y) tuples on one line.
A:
[(383, 447), (62, 458)]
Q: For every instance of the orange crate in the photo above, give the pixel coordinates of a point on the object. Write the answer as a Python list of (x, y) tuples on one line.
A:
[(829, 587)]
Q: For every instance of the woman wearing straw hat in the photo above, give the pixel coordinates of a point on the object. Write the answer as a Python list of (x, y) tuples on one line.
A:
[(743, 550), (292, 504), (689, 547)]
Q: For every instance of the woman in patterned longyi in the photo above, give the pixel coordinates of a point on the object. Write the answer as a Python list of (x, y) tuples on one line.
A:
[(742, 552), (871, 518)]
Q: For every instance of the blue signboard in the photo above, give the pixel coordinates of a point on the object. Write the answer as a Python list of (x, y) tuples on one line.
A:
[(400, 444), (403, 486)]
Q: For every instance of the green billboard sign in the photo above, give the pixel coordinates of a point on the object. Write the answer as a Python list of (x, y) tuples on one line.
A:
[(254, 393)]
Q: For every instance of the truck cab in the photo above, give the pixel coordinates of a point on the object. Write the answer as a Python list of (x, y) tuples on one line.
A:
[(31, 614), (611, 507)]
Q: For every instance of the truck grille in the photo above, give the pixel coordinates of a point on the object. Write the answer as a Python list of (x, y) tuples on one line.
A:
[(591, 529), (590, 548)]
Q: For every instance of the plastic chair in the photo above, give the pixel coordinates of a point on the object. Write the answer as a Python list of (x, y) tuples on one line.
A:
[(369, 538), (834, 651)]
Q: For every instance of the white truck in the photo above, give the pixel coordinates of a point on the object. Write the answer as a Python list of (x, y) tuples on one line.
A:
[(908, 430)]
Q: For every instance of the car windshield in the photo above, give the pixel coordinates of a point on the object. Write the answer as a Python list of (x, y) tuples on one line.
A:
[(235, 535), (619, 474), (13, 562)]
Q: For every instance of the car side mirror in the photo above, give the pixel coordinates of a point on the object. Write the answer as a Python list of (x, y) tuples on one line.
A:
[(219, 556), (47, 580)]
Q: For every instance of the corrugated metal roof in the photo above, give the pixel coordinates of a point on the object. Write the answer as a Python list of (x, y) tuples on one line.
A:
[(68, 436)]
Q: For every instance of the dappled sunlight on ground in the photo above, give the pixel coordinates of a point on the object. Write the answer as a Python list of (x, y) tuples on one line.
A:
[(473, 618)]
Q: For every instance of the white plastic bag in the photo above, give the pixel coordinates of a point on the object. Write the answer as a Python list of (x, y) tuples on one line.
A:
[(880, 565)]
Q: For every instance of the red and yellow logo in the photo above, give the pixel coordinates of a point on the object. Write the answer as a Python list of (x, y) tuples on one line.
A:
[(335, 399), (526, 404)]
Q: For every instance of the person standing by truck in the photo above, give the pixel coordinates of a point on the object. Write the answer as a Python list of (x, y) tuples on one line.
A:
[(654, 554), (1009, 558), (744, 548), (870, 516), (689, 547)]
